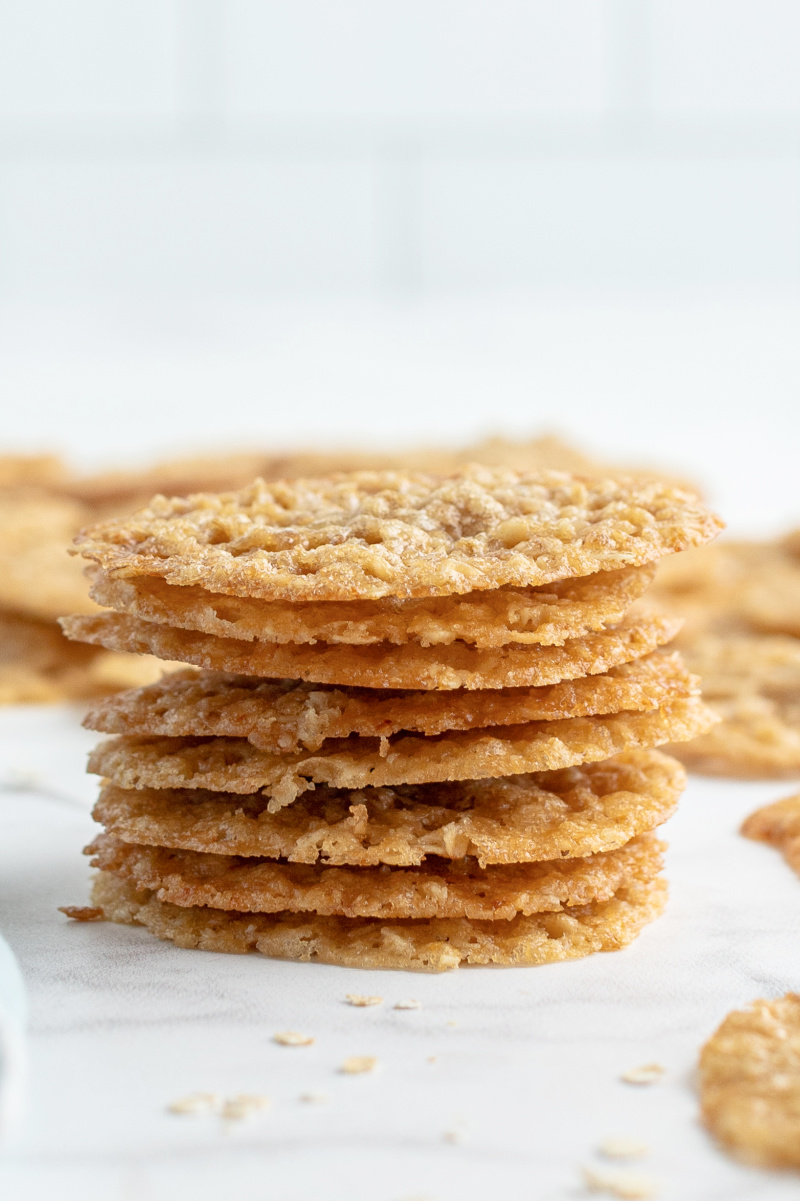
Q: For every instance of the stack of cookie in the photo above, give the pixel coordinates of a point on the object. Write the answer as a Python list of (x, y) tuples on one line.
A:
[(421, 733)]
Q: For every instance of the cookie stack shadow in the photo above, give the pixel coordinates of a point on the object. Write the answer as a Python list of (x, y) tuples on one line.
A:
[(418, 725)]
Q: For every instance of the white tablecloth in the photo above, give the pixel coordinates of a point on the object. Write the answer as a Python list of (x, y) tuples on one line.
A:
[(501, 1085)]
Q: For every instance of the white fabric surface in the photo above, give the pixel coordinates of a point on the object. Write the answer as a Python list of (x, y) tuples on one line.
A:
[(528, 1077)]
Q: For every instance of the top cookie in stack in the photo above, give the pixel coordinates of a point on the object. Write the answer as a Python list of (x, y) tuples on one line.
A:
[(421, 733)]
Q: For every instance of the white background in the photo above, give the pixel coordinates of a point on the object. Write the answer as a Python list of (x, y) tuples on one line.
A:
[(290, 221)]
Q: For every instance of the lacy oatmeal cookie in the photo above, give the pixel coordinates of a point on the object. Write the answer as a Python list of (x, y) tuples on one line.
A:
[(383, 665), (39, 666), (750, 1083), (779, 825), (545, 616), (520, 819), (363, 942), (733, 587), (435, 889), (753, 683), (378, 534), (235, 765), (284, 715), (20, 471), (37, 575)]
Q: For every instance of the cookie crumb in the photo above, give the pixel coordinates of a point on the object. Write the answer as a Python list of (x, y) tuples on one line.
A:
[(451, 1022), (354, 998), (356, 1065), (647, 1073), (82, 913), (408, 1005), (314, 1098), (292, 1038), (452, 1136), (623, 1148), (244, 1105), (196, 1103), (629, 1186)]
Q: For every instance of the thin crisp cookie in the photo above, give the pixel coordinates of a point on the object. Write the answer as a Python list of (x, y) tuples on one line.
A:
[(37, 575), (750, 1083), (519, 819), (413, 946), (435, 889), (235, 765), (546, 616), (384, 666), (753, 682), (375, 534), (284, 715), (38, 665), (778, 825)]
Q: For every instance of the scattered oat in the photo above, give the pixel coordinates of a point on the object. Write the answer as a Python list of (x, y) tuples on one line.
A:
[(354, 998), (431, 1059), (314, 1098), (648, 1073), (196, 1103), (292, 1038), (82, 913), (623, 1148), (408, 1005), (451, 1022), (244, 1105), (452, 1136), (357, 1065), (629, 1186)]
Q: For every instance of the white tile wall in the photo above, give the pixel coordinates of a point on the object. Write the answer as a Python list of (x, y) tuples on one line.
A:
[(89, 58), (415, 58), (275, 146), (610, 221), (217, 226), (726, 57)]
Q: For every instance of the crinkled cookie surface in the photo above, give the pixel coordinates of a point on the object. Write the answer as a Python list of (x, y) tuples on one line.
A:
[(383, 665), (378, 534), (516, 819), (435, 945), (235, 765), (285, 715), (546, 616), (436, 888)]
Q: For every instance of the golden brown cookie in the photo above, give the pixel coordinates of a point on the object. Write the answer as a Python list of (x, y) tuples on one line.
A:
[(235, 765), (436, 889), (21, 471), (371, 943), (779, 825), (750, 1083), (285, 715), (383, 666), (519, 819), (376, 534), (753, 683), (39, 665), (545, 616), (37, 575), (733, 587)]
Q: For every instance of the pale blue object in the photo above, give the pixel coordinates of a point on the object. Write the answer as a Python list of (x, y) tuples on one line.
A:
[(13, 1018)]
